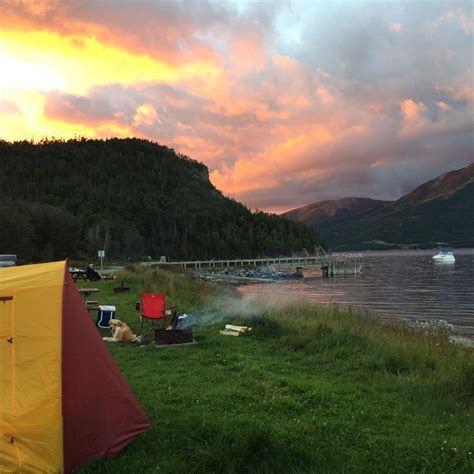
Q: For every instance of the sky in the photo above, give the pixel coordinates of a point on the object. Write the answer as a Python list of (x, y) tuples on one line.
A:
[(286, 102)]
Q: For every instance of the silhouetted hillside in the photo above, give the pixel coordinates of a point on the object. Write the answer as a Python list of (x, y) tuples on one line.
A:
[(130, 197)]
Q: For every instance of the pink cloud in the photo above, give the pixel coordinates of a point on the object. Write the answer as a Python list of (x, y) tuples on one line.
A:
[(282, 122)]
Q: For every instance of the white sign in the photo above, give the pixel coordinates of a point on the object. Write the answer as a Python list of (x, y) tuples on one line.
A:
[(101, 253)]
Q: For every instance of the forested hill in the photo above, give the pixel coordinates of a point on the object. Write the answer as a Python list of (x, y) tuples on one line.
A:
[(132, 198)]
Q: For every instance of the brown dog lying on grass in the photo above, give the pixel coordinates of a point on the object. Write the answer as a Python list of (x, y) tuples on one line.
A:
[(120, 332)]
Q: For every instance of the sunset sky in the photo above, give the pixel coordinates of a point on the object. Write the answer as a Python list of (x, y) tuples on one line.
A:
[(287, 103)]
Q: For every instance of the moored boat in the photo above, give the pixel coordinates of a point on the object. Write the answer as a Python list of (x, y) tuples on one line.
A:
[(444, 256)]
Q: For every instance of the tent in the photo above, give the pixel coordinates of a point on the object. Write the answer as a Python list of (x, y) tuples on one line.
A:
[(63, 400)]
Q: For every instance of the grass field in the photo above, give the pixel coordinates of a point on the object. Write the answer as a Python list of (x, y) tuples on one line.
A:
[(310, 389)]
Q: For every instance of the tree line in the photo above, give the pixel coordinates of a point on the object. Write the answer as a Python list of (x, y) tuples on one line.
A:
[(132, 198)]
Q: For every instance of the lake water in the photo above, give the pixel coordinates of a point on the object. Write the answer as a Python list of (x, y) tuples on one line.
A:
[(394, 285)]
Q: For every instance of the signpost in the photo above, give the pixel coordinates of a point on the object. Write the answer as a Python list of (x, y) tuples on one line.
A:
[(101, 255)]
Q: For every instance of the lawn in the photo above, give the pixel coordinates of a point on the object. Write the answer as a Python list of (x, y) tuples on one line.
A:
[(310, 389)]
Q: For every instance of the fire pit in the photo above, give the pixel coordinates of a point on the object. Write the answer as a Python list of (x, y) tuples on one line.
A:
[(166, 337)]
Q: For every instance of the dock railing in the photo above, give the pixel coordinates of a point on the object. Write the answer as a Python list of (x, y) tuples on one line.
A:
[(331, 264)]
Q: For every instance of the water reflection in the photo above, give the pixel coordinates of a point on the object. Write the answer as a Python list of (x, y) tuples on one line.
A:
[(395, 285)]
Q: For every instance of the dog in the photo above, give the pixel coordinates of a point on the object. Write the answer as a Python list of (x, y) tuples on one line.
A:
[(121, 332)]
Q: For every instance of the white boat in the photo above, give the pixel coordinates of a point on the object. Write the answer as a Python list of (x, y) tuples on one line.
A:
[(444, 256)]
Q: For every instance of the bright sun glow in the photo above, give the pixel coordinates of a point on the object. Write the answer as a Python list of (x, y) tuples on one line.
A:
[(47, 61), (32, 63), (17, 74)]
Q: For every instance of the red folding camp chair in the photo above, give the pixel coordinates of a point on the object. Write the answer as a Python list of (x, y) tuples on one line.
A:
[(151, 310)]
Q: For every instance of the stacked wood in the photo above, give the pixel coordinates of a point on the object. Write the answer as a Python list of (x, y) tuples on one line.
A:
[(232, 330)]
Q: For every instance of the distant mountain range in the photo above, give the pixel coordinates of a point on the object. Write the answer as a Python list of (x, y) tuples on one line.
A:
[(439, 212)]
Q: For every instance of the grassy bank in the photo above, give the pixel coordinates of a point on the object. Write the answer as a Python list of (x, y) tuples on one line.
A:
[(310, 389)]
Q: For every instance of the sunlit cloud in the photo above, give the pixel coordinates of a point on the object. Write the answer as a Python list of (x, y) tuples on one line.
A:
[(412, 110), (287, 103), (47, 61)]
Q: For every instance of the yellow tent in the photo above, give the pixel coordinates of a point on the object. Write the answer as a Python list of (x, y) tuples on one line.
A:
[(62, 398)]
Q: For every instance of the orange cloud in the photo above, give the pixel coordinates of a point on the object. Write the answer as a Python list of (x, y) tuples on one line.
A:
[(219, 82), (145, 115), (43, 60), (325, 96), (412, 110), (33, 62), (264, 169), (156, 30), (240, 47)]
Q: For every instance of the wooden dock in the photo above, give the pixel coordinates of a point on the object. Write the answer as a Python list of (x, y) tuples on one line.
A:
[(340, 264)]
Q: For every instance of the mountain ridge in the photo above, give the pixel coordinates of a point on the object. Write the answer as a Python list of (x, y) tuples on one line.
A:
[(333, 210), (439, 211), (444, 184)]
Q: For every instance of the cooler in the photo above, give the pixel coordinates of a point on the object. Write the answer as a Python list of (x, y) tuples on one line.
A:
[(104, 315)]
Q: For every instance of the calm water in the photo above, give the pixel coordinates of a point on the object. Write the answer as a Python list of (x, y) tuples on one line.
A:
[(397, 285)]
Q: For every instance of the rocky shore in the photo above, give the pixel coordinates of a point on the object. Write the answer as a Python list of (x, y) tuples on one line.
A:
[(242, 275), (442, 326)]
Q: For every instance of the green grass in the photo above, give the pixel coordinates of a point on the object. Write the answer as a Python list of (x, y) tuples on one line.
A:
[(310, 389)]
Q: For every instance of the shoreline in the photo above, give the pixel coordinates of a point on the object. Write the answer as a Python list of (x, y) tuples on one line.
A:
[(466, 341), (455, 337)]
